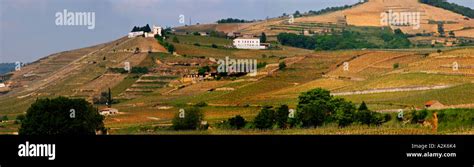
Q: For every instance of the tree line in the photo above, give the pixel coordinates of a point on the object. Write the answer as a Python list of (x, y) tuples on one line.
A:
[(333, 9), (315, 108), (466, 11), (144, 28), (345, 40), (232, 20)]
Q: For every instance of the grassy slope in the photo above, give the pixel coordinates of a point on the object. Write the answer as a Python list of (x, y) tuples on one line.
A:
[(281, 88)]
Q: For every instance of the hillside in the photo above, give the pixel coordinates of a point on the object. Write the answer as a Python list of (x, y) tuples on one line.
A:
[(365, 14), (160, 83), (152, 98), (76, 73)]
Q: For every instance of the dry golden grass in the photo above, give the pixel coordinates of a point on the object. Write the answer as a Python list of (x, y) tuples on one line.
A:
[(443, 63), (369, 14), (144, 44), (368, 65)]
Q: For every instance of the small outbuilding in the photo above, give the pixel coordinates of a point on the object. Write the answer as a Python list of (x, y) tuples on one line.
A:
[(434, 104)]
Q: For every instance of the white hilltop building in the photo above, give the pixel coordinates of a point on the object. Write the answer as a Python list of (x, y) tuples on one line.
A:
[(154, 31), (135, 34), (248, 43)]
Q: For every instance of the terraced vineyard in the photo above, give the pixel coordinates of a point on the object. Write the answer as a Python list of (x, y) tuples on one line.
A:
[(148, 101)]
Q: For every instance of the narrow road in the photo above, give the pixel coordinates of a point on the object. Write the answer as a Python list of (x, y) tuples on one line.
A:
[(385, 90)]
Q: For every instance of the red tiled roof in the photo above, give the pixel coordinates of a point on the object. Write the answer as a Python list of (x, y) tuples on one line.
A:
[(431, 102)]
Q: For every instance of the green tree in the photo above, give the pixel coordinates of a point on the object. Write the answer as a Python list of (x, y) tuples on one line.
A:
[(313, 114), (263, 38), (109, 99), (363, 106), (281, 116), (441, 29), (203, 70), (365, 117), (237, 122), (344, 111), (466, 11), (171, 48), (265, 119), (61, 116), (189, 120), (297, 14), (313, 95), (314, 107)]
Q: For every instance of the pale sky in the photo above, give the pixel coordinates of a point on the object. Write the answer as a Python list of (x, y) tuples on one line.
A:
[(28, 30)]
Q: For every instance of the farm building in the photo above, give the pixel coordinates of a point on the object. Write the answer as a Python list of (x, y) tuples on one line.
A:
[(234, 34), (155, 31), (434, 104), (108, 111), (135, 34), (248, 43)]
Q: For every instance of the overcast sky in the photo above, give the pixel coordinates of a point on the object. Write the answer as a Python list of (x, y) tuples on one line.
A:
[(28, 30)]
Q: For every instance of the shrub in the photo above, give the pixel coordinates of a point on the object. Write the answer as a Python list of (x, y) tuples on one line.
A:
[(191, 120), (20, 117), (175, 39), (139, 70), (282, 65), (396, 65), (261, 64), (203, 70), (201, 104), (387, 117), (117, 70), (367, 117), (419, 116), (456, 118)]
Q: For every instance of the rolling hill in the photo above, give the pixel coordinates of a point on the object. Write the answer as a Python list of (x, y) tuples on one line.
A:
[(387, 80), (151, 99), (365, 14)]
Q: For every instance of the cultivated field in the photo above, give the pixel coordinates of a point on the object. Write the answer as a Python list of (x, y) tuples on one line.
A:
[(148, 102)]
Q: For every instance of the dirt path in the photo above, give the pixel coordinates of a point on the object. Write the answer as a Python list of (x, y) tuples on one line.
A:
[(385, 90)]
